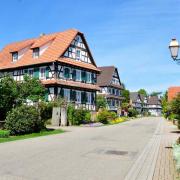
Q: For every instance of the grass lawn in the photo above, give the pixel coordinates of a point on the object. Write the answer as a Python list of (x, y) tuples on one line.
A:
[(33, 135)]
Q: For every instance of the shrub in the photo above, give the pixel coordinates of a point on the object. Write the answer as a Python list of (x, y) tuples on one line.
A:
[(23, 120), (78, 116), (176, 154), (4, 134), (101, 102), (104, 116), (46, 110), (70, 114), (132, 112)]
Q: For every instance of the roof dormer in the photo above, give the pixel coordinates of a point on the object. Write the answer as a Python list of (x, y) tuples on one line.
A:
[(35, 53), (15, 56)]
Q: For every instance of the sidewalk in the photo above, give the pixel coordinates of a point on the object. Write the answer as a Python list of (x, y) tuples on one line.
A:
[(156, 161), (165, 166)]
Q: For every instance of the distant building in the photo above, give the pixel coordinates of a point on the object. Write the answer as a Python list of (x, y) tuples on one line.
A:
[(172, 92), (154, 105), (151, 104), (111, 87), (138, 102)]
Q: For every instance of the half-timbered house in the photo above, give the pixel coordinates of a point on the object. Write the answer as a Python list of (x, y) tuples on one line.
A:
[(111, 87), (62, 61)]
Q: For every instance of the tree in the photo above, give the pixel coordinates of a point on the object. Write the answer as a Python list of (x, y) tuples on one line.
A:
[(175, 108), (8, 95), (155, 93), (125, 94), (101, 102), (13, 93), (143, 92), (31, 89), (125, 106), (165, 105)]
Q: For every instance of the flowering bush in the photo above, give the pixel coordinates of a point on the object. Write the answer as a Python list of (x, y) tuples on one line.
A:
[(104, 116), (118, 120)]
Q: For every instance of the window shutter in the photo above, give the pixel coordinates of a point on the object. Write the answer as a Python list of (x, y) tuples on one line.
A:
[(94, 78), (47, 72), (73, 95), (36, 73), (83, 76), (92, 98), (66, 73), (62, 93), (84, 97), (25, 71), (74, 74), (46, 95)]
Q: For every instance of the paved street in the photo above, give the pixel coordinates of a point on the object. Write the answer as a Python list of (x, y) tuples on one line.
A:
[(83, 153)]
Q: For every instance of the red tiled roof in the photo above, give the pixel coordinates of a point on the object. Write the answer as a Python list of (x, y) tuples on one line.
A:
[(78, 63), (71, 83), (172, 92), (60, 42)]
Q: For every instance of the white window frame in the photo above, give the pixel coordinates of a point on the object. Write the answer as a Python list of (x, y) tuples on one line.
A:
[(15, 56), (29, 72), (89, 77), (67, 94), (88, 97), (78, 71), (78, 96), (78, 56), (42, 74)]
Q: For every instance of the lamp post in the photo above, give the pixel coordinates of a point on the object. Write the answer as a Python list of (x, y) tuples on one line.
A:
[(174, 48)]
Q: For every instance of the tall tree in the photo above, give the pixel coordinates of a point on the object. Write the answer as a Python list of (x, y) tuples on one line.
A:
[(143, 92), (125, 93)]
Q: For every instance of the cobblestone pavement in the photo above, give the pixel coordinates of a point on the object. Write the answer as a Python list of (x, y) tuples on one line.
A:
[(165, 166)]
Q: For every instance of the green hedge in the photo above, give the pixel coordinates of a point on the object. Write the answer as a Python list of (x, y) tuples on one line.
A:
[(4, 134)]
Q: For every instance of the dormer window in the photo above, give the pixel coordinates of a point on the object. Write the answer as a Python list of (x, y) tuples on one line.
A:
[(15, 56), (35, 52)]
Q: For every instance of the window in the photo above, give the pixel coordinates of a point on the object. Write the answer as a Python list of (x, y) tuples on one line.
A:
[(15, 56), (67, 73), (78, 96), (88, 97), (67, 94), (78, 53), (78, 75), (31, 72), (42, 73), (88, 77), (35, 52)]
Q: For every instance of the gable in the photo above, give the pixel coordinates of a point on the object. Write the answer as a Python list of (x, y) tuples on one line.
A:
[(78, 50), (115, 77)]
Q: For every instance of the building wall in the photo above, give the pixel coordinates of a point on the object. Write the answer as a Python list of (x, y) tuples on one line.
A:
[(172, 92)]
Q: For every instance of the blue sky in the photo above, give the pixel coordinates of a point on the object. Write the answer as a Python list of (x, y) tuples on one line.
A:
[(130, 34)]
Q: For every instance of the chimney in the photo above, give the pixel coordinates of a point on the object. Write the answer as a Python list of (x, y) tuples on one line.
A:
[(42, 34)]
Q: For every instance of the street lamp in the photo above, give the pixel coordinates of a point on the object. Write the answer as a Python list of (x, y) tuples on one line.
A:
[(174, 48)]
